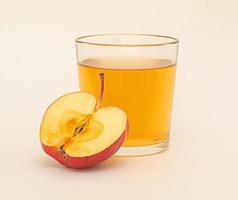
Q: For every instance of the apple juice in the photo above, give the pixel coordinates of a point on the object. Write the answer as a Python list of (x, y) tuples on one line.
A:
[(143, 87)]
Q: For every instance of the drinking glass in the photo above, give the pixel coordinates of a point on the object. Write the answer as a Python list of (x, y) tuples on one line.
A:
[(139, 77)]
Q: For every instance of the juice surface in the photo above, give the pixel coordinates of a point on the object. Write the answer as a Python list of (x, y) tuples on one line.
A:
[(143, 87)]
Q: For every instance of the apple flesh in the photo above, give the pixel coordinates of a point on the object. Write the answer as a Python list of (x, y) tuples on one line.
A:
[(79, 134)]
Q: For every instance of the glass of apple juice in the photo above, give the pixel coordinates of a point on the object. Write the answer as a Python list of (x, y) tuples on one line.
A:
[(139, 77)]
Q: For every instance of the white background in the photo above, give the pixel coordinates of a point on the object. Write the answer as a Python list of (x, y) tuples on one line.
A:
[(38, 64)]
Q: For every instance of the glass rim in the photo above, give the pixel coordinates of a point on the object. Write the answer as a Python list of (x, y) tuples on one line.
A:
[(80, 40)]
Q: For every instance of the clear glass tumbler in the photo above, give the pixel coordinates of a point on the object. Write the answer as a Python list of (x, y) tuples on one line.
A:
[(139, 71)]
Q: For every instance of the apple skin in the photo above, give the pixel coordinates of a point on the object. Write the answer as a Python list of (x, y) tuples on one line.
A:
[(87, 161)]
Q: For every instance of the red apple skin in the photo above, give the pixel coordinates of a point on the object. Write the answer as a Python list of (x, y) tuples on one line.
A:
[(87, 161)]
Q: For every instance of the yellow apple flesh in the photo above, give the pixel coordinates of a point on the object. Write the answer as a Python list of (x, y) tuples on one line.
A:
[(77, 135)]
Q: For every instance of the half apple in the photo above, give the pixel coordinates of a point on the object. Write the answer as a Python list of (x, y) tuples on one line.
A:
[(79, 134)]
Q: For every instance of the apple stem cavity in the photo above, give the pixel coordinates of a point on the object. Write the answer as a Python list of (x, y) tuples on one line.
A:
[(99, 101)]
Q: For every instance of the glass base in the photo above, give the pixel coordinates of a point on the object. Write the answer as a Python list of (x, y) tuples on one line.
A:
[(143, 150)]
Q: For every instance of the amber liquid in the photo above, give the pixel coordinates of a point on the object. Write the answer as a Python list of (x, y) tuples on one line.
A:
[(142, 87)]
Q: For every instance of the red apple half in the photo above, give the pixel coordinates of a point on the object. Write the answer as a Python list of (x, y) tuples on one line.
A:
[(78, 134)]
